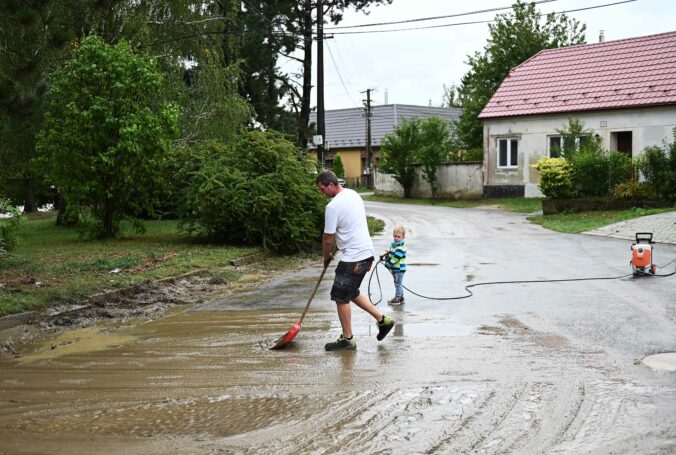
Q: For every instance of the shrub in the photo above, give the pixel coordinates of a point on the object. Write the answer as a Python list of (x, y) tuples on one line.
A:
[(595, 173), (657, 165), (555, 178), (255, 192), (338, 167), (10, 220), (634, 191)]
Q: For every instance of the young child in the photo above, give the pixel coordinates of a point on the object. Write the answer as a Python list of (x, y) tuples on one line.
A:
[(396, 262)]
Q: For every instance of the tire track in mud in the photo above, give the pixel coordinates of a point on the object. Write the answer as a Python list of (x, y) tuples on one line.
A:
[(505, 389)]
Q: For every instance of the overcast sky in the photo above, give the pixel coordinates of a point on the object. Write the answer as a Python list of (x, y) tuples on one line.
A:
[(411, 67)]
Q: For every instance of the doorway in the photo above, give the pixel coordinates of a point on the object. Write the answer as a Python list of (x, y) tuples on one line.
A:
[(621, 141)]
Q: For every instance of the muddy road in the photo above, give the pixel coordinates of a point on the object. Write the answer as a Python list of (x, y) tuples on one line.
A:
[(516, 368)]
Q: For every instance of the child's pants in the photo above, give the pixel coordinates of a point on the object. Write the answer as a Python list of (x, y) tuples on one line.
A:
[(398, 283)]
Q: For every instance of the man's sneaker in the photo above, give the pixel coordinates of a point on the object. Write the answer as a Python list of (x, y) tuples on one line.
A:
[(384, 327), (342, 344), (396, 301)]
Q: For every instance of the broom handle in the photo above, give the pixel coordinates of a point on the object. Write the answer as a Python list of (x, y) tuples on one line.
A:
[(314, 291)]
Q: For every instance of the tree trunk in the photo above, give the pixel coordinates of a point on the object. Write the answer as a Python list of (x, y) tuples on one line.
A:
[(29, 196)]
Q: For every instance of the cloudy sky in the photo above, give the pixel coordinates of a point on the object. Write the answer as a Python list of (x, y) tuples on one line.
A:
[(411, 67)]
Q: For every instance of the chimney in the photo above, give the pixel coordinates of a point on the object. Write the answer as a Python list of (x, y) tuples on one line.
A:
[(601, 37), (385, 96)]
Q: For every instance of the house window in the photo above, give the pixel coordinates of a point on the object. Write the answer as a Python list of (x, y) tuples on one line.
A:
[(508, 150), (557, 145)]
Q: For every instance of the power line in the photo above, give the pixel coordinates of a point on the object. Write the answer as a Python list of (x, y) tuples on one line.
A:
[(474, 22), (421, 19), (339, 75)]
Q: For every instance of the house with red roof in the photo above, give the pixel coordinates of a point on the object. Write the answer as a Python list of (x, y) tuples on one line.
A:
[(623, 90)]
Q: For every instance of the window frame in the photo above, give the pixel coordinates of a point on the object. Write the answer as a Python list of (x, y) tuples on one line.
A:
[(562, 144), (510, 157)]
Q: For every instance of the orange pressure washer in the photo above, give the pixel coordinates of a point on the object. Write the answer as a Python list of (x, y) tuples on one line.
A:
[(642, 254)]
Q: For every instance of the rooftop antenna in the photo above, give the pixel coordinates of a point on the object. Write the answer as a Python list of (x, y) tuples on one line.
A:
[(601, 37), (385, 96)]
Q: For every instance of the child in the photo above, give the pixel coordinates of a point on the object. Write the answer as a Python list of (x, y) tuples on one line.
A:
[(396, 262)]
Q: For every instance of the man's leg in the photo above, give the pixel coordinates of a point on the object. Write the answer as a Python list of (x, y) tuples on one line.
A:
[(385, 323), (345, 317), (363, 302)]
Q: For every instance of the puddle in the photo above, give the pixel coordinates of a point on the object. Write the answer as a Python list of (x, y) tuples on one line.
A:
[(77, 341), (432, 329)]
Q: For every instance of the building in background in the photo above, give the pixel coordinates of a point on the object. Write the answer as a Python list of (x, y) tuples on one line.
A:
[(623, 90), (346, 133)]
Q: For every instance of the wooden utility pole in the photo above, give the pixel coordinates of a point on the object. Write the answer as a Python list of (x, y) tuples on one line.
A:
[(320, 84), (369, 152)]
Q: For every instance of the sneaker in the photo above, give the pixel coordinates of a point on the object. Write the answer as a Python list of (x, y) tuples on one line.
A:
[(384, 327), (396, 301), (342, 344)]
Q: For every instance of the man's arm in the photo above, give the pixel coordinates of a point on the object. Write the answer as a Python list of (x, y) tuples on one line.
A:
[(327, 247)]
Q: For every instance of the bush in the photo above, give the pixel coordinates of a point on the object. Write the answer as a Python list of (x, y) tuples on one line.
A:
[(257, 191), (338, 167), (10, 220), (595, 173), (657, 165), (635, 191), (555, 178)]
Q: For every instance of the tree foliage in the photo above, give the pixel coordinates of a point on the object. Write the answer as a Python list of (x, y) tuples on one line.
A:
[(433, 148), (338, 167), (514, 38), (10, 221), (416, 141), (257, 191), (398, 153), (657, 165), (106, 133)]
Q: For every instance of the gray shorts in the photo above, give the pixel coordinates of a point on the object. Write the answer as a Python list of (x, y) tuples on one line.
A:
[(349, 276)]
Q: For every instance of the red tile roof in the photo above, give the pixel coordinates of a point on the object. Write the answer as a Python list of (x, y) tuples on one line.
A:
[(625, 73)]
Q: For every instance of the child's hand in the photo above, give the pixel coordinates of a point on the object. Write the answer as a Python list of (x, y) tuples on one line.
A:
[(384, 256)]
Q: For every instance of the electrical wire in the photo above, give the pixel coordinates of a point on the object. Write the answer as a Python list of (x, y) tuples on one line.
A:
[(473, 22), (431, 18), (339, 75), (470, 294)]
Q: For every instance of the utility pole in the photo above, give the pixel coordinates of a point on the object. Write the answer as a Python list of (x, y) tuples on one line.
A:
[(369, 152), (320, 83)]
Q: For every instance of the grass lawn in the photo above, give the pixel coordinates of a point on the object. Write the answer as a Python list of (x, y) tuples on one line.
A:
[(53, 265), (579, 222)]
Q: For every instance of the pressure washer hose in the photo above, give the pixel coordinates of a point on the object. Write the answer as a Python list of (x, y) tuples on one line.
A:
[(470, 294)]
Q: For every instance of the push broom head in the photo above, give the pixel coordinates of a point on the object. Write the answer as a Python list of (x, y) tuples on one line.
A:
[(288, 336)]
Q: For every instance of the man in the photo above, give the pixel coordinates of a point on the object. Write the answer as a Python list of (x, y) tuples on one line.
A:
[(345, 224)]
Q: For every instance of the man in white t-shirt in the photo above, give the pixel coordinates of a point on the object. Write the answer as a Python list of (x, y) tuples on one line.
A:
[(345, 225)]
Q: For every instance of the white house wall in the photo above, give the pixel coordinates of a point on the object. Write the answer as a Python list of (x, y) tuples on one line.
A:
[(649, 126)]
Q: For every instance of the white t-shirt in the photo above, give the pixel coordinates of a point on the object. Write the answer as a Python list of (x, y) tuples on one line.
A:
[(345, 217)]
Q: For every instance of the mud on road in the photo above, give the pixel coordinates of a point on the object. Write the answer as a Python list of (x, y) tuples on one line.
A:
[(503, 372)]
